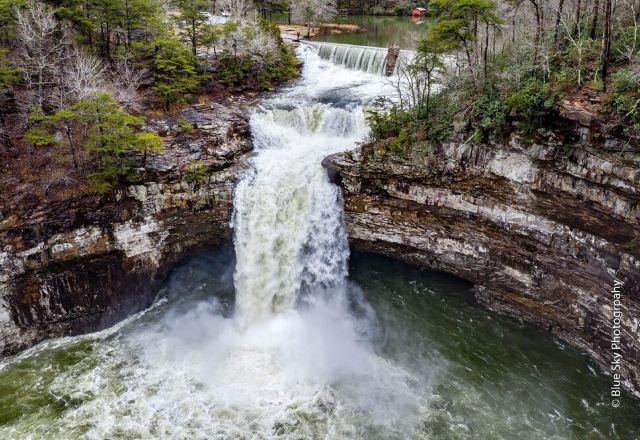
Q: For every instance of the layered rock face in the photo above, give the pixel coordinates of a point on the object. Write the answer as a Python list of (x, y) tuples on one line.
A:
[(543, 231), (81, 264)]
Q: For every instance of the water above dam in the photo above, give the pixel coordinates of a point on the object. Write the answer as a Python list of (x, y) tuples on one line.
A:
[(375, 31), (287, 336)]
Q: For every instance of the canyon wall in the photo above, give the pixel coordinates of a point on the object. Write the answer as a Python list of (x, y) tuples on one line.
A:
[(81, 263), (545, 229)]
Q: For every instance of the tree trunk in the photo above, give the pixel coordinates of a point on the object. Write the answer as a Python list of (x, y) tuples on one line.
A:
[(71, 147), (108, 38), (486, 49), (127, 19), (536, 41), (428, 103), (558, 18), (594, 21), (606, 43), (193, 36), (475, 41), (578, 12)]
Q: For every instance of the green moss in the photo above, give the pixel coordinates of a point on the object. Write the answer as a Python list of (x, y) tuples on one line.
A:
[(185, 126), (197, 172)]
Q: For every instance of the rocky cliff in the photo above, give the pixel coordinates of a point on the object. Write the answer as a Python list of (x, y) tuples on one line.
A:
[(81, 263), (543, 228)]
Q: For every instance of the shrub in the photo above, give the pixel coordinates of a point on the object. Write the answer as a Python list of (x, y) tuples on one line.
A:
[(185, 126), (530, 102), (174, 72), (626, 96), (232, 70), (490, 115), (626, 44), (254, 54), (197, 172), (387, 120)]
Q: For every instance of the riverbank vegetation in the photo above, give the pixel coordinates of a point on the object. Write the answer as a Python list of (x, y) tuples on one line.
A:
[(487, 68), (78, 78)]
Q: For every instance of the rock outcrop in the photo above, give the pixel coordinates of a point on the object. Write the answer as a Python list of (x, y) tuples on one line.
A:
[(541, 228), (80, 264)]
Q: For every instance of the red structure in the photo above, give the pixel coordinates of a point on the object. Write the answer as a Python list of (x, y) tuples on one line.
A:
[(419, 12)]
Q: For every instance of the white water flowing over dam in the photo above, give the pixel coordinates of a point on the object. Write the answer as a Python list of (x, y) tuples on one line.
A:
[(288, 225), (289, 236), (368, 59)]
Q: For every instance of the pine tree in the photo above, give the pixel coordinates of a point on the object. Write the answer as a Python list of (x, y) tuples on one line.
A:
[(192, 21), (175, 77), (99, 127)]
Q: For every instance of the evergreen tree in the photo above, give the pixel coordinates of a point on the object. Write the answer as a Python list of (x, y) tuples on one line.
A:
[(457, 23), (8, 73), (175, 76), (192, 21), (99, 127), (8, 10)]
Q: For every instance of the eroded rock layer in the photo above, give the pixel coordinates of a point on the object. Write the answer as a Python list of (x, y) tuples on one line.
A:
[(81, 263), (541, 229)]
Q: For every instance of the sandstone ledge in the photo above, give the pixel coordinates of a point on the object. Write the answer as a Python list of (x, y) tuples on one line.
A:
[(540, 231)]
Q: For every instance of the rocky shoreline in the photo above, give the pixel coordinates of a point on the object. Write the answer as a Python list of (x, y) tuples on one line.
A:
[(542, 230), (81, 264)]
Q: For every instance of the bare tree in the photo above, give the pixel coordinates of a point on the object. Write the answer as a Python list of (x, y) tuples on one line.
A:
[(629, 47), (312, 12), (236, 8), (580, 45), (558, 19), (249, 40), (127, 86), (42, 45), (83, 76), (594, 19), (606, 43)]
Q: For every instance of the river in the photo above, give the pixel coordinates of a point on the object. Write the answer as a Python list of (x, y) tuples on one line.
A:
[(376, 31), (404, 32), (284, 335)]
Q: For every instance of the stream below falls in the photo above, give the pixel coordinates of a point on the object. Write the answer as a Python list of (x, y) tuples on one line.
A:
[(284, 335)]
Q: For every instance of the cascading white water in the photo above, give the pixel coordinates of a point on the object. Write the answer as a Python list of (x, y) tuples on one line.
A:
[(288, 226), (368, 59)]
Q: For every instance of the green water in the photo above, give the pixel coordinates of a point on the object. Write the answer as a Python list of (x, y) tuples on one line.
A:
[(503, 378), (380, 31), (469, 373)]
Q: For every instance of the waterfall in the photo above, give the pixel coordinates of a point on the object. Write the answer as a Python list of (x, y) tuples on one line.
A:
[(365, 58), (289, 233), (288, 226)]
